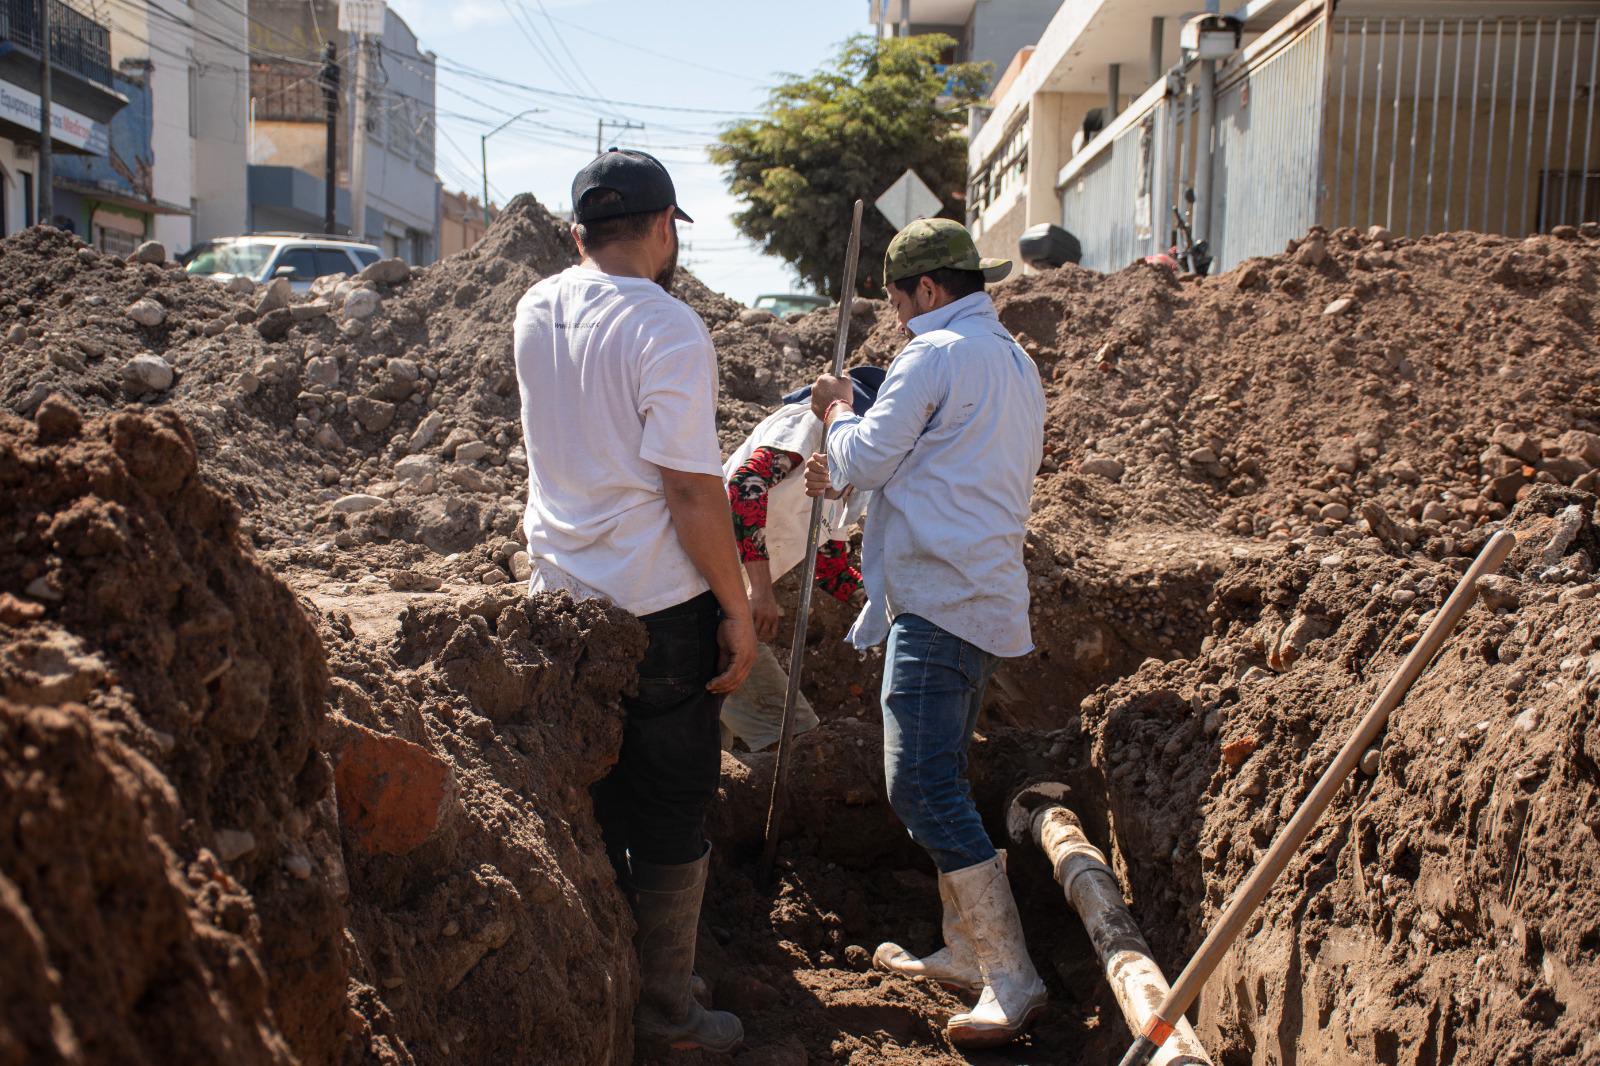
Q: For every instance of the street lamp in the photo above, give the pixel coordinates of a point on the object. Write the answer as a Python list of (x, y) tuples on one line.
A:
[(483, 148)]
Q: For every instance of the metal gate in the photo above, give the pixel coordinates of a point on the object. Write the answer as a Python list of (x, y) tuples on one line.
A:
[(1462, 123), (1266, 169), (1115, 194)]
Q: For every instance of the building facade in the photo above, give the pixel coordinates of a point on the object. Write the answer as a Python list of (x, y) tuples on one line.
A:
[(288, 129), (84, 100), (1420, 117), (986, 31), (461, 222)]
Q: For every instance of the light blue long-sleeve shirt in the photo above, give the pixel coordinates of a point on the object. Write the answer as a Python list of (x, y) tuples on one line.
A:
[(951, 444)]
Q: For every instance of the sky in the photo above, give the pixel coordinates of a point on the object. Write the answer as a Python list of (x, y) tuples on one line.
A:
[(679, 68)]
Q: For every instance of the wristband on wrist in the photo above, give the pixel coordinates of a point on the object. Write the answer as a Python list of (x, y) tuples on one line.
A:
[(827, 415)]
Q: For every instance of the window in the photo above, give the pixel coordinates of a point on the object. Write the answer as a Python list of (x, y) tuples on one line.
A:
[(27, 199), (333, 261), (303, 261), (365, 255), (115, 241), (232, 258)]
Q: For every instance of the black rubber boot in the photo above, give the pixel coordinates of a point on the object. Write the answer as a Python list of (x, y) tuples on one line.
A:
[(666, 906)]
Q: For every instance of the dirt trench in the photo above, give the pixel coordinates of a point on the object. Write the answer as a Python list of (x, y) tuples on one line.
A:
[(1256, 486)]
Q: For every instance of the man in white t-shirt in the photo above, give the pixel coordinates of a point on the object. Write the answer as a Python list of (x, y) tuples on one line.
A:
[(626, 502)]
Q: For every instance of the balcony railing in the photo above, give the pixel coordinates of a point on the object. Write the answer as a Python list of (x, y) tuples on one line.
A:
[(77, 43)]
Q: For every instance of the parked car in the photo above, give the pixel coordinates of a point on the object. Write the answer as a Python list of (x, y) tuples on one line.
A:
[(300, 257), (784, 303)]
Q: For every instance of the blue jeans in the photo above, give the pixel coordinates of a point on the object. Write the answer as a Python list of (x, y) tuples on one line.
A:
[(933, 686)]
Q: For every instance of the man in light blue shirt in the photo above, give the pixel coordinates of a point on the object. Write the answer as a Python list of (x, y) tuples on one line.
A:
[(951, 447)]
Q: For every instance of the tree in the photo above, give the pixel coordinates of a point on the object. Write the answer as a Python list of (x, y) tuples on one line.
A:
[(847, 132)]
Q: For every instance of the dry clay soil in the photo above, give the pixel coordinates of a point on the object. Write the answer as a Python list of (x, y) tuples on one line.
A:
[(292, 771)]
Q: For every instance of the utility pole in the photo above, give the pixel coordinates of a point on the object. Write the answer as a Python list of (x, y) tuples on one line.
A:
[(358, 142), (330, 175), (47, 206), (483, 152), (600, 125), (364, 18)]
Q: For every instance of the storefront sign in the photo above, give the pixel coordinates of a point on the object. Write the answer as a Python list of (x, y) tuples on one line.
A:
[(22, 107)]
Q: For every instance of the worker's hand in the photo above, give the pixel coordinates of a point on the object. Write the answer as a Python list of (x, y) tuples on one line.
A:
[(765, 613), (817, 481), (736, 637), (828, 389)]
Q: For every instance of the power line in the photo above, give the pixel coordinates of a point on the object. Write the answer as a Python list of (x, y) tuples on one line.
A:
[(651, 51), (483, 76), (578, 66)]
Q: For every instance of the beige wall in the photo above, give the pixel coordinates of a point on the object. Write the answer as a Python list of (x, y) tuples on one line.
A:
[(302, 145), (1000, 232), (1513, 198)]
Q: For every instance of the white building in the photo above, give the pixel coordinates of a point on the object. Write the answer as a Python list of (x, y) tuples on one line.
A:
[(194, 60)]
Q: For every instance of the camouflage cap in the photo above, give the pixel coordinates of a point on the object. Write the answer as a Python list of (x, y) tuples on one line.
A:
[(931, 243)]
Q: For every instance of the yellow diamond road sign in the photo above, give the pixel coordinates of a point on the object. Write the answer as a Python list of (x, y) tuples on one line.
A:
[(907, 200)]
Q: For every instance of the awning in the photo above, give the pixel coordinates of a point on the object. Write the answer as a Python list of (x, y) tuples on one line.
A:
[(119, 198)]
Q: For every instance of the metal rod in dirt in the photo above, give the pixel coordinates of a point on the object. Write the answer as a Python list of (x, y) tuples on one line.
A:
[(808, 563), (1255, 888), (1094, 892)]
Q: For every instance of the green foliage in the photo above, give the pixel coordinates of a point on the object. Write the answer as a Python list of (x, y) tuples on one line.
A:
[(847, 132)]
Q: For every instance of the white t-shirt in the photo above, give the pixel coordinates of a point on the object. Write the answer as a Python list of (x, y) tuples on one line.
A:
[(793, 428), (618, 379)]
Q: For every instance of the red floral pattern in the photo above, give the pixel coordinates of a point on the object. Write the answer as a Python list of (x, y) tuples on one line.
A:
[(747, 499)]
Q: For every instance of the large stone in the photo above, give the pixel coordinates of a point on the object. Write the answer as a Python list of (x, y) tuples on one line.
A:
[(311, 309), (323, 371), (471, 451), (374, 415), (1102, 466), (1514, 442), (426, 432), (274, 296), (386, 272), (754, 316), (361, 304), (150, 252), (398, 380), (147, 312), (1579, 444), (393, 795), (239, 285), (356, 502), (275, 324), (1505, 487), (1563, 469), (521, 566), (414, 468), (146, 373), (469, 478)]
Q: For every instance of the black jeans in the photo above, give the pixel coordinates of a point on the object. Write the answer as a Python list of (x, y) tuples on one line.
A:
[(653, 803)]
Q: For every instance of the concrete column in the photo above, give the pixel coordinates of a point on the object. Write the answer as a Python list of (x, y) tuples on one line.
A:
[(1047, 154), (1113, 91), (905, 18), (1158, 33), (1205, 123)]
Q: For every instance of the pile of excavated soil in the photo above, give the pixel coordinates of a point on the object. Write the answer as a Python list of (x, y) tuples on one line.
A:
[(1255, 486), (166, 877), (1444, 910)]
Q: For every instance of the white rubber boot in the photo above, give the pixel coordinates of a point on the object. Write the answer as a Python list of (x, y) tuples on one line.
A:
[(954, 966), (1013, 996)]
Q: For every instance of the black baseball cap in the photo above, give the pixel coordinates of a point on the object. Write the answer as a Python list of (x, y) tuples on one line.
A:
[(638, 177)]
